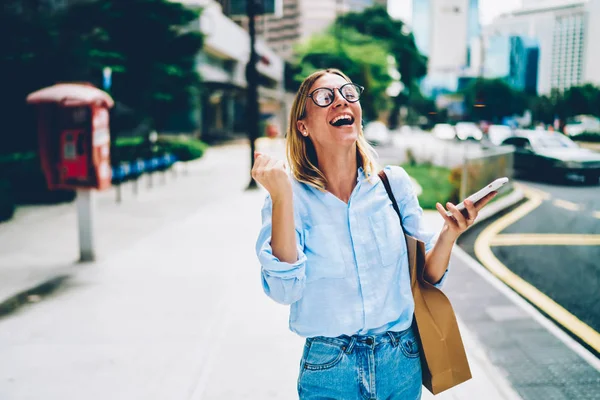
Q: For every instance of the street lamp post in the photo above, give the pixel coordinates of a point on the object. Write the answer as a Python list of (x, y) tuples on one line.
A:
[(252, 82)]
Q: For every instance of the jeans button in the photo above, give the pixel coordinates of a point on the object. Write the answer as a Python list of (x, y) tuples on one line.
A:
[(369, 341)]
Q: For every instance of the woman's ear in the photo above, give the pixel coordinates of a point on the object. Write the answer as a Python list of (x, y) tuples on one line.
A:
[(301, 127)]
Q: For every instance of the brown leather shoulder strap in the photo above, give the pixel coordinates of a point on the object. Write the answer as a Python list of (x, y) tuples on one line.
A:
[(388, 189)]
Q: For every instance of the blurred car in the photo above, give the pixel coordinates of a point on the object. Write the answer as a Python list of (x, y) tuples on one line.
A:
[(546, 154), (377, 133), (582, 124), (468, 130), (444, 131), (497, 133)]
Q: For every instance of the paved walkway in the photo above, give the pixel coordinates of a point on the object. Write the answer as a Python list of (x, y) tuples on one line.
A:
[(173, 308)]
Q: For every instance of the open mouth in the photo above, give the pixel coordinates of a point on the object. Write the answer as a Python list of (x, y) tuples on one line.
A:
[(342, 120)]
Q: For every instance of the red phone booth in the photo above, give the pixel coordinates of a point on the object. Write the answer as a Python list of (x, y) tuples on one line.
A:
[(73, 133)]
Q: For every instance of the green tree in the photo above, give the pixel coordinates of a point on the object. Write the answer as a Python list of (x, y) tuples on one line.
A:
[(492, 99), (151, 51), (360, 57), (146, 42), (400, 42), (543, 109), (578, 100)]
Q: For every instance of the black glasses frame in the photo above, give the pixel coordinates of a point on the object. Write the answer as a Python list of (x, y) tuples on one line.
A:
[(359, 89)]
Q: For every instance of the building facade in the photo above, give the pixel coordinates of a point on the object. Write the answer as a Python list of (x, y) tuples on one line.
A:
[(592, 55), (513, 59), (299, 19), (222, 65), (443, 31), (564, 36)]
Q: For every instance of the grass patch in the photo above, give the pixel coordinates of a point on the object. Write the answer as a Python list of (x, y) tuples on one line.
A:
[(435, 182)]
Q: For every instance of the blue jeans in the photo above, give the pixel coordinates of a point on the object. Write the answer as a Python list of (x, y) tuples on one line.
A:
[(386, 366)]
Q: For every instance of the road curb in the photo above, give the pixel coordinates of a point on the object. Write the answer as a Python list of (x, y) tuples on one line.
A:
[(500, 205)]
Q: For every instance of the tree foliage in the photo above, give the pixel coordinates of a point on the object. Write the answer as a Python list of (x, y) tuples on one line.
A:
[(360, 57), (578, 100), (400, 42), (493, 99), (145, 42), (377, 23)]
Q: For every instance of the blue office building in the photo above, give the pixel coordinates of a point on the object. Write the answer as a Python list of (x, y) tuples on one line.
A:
[(421, 24), (514, 59), (474, 27)]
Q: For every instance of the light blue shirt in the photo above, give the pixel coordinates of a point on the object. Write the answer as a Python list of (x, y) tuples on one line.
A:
[(352, 274)]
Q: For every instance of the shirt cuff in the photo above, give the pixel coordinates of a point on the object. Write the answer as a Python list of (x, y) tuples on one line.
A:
[(441, 281), (274, 265)]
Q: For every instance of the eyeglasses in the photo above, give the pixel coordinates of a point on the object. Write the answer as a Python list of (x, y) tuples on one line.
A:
[(324, 97)]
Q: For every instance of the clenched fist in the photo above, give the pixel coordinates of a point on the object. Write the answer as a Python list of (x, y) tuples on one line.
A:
[(271, 174)]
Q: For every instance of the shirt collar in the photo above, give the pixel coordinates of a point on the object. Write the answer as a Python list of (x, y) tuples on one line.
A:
[(361, 174)]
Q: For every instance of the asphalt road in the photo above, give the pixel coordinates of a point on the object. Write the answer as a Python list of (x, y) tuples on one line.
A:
[(568, 271)]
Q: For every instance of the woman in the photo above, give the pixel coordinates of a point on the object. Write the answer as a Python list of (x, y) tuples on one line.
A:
[(332, 247)]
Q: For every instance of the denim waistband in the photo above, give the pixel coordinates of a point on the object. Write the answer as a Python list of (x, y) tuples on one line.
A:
[(348, 343)]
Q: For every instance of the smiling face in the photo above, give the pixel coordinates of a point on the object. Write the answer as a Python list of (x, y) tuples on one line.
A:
[(336, 125)]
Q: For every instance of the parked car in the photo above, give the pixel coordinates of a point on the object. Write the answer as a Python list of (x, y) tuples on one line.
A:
[(444, 131), (582, 124), (468, 130), (377, 133), (551, 155), (498, 133)]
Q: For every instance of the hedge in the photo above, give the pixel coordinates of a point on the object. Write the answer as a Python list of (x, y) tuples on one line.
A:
[(7, 201), (22, 180), (587, 137)]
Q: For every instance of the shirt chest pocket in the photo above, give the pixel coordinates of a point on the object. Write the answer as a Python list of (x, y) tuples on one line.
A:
[(388, 236), (324, 257)]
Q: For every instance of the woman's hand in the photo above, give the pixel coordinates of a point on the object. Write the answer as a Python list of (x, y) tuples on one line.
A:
[(458, 222), (271, 174)]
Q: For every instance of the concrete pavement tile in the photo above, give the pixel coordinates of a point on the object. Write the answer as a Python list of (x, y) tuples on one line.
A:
[(536, 392), (504, 313), (576, 374), (528, 373), (583, 392), (507, 356)]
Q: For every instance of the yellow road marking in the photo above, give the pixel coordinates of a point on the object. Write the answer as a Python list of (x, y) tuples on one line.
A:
[(567, 205), (530, 292), (545, 240)]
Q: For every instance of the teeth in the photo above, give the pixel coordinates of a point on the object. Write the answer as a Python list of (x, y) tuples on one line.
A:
[(345, 116)]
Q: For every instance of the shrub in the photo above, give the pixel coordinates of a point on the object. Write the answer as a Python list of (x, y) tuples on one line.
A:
[(587, 137), (28, 184), (7, 200), (435, 182), (184, 148)]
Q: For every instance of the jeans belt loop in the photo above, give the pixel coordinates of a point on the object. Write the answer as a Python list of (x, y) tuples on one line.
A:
[(350, 345), (393, 338)]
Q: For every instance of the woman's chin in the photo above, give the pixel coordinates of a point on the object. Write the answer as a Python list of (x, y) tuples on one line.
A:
[(346, 134)]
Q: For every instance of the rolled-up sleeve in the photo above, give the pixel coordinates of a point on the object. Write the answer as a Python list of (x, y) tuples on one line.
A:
[(411, 211), (283, 282)]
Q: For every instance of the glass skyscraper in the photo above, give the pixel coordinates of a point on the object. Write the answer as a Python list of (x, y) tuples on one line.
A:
[(474, 28), (421, 24), (514, 59)]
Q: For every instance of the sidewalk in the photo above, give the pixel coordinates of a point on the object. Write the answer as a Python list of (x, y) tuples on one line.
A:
[(173, 308)]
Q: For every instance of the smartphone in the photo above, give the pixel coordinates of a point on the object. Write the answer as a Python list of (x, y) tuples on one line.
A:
[(475, 197)]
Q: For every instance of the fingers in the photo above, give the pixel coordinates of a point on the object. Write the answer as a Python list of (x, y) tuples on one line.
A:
[(442, 212), (471, 212), (481, 203), (458, 216)]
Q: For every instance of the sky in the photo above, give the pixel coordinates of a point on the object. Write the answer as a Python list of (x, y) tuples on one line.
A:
[(488, 9)]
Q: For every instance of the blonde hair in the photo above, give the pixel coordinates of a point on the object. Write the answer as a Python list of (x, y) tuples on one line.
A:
[(301, 153)]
